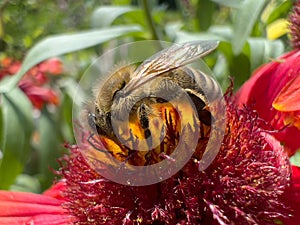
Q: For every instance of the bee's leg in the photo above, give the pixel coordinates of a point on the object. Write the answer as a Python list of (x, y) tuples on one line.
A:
[(142, 113)]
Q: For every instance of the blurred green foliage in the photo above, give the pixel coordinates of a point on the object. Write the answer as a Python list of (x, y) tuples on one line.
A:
[(26, 22), (79, 31)]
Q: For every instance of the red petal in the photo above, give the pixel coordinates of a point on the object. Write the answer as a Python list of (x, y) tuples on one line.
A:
[(40, 78), (38, 95), (43, 219), (27, 208), (296, 178), (11, 208), (264, 86), (56, 190), (26, 197), (52, 66), (288, 98)]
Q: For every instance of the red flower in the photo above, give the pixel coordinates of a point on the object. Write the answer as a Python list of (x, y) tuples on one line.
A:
[(8, 67), (52, 66), (243, 185), (38, 95), (34, 82), (19, 208), (274, 91), (247, 183)]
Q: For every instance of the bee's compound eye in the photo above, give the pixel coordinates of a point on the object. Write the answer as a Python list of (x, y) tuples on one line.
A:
[(92, 121)]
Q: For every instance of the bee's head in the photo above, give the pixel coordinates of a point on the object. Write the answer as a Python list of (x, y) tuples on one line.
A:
[(100, 122)]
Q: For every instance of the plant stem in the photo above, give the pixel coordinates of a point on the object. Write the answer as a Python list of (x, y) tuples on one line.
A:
[(146, 8)]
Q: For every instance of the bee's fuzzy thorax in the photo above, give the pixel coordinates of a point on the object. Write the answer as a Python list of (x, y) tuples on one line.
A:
[(104, 91), (117, 67)]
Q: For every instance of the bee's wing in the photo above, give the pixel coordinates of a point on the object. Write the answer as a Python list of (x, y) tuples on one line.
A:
[(168, 59)]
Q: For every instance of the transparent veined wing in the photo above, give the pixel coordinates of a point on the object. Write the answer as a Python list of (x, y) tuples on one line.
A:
[(169, 59)]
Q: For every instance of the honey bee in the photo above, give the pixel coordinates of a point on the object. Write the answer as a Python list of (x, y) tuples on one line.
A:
[(134, 90)]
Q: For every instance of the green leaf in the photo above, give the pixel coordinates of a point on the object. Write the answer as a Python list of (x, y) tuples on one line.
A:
[(72, 95), (246, 16), (121, 2), (275, 49), (15, 136), (205, 11), (62, 44), (280, 12), (223, 31), (262, 50), (229, 3), (239, 65), (66, 118), (49, 146), (171, 29), (70, 86), (240, 69), (104, 16), (183, 36), (257, 47), (26, 183), (295, 159)]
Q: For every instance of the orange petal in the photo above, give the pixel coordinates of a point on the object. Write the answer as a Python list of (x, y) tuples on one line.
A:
[(288, 98), (292, 118)]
